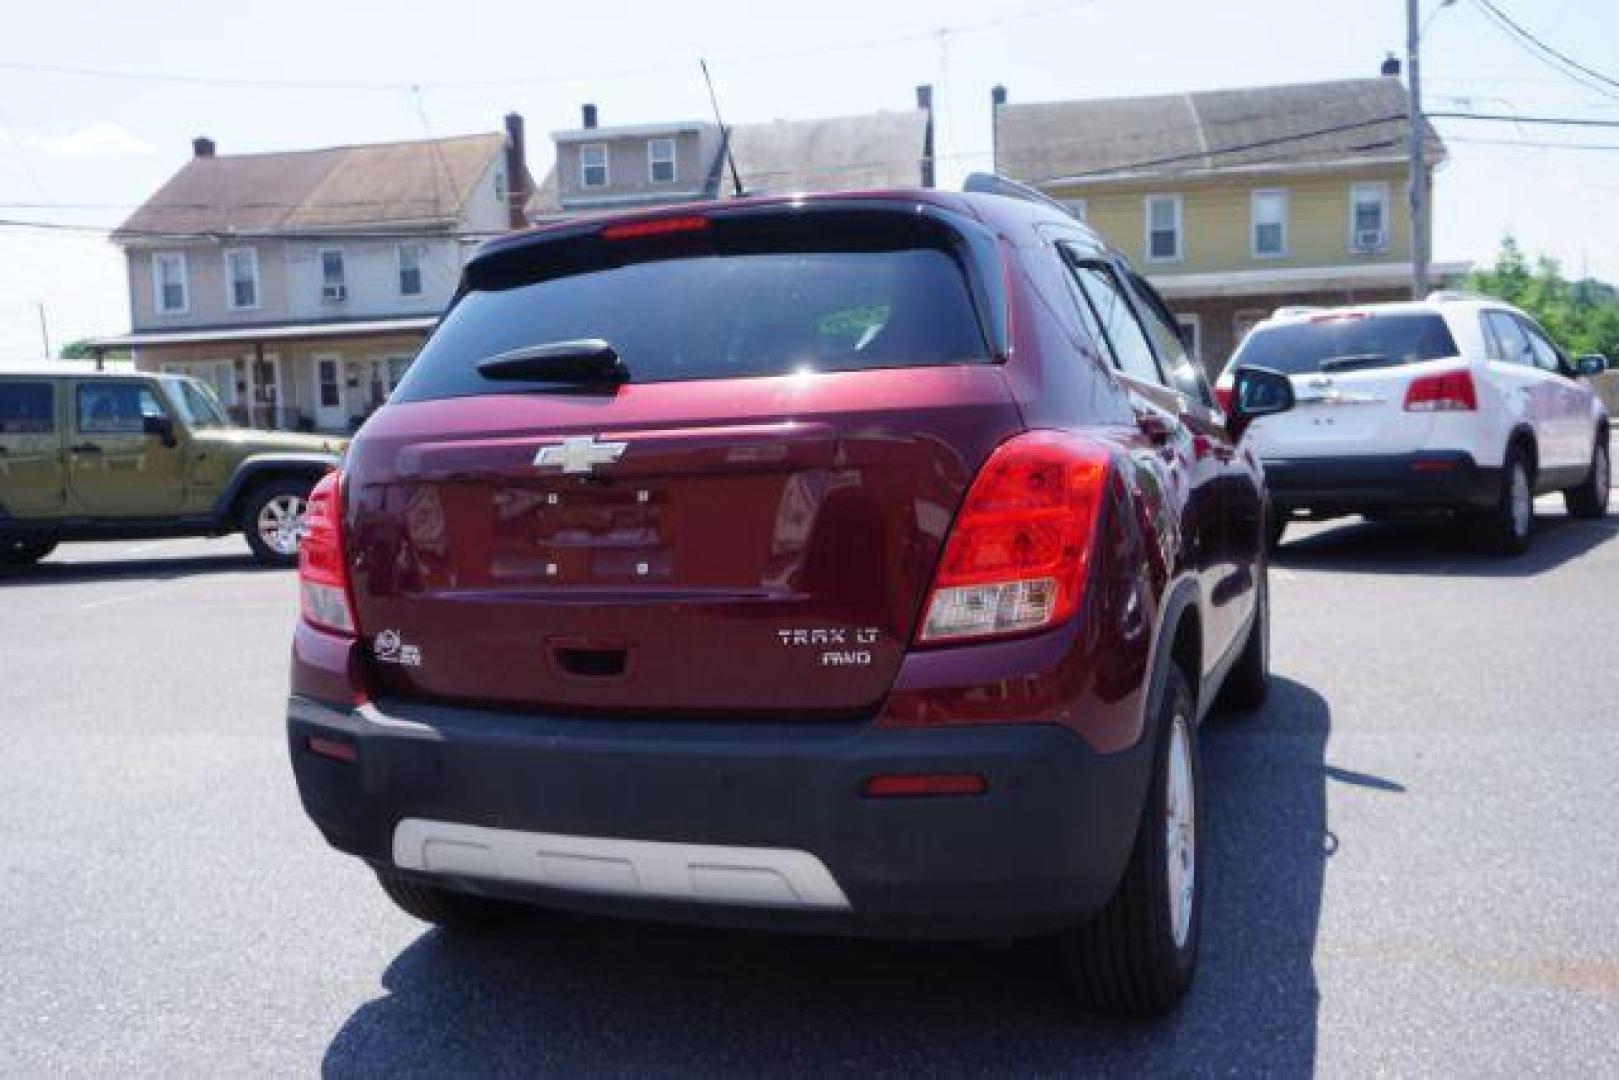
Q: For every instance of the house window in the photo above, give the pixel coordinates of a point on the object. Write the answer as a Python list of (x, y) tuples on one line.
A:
[(1368, 217), (333, 286), (241, 278), (410, 268), (1268, 212), (1192, 333), (1163, 228), (1075, 207), (660, 161), (593, 165), (169, 282)]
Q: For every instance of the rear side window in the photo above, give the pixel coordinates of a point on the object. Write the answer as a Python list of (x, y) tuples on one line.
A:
[(116, 407), (1347, 343), (27, 408), (1506, 340), (1124, 333), (719, 316)]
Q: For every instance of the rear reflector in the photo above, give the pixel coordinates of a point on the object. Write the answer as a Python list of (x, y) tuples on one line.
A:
[(323, 575), (336, 749), (634, 230), (1450, 391), (914, 784), (1018, 551)]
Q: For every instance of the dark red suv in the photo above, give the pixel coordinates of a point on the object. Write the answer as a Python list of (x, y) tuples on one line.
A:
[(859, 563)]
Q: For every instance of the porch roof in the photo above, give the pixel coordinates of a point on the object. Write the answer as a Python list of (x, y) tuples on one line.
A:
[(315, 330)]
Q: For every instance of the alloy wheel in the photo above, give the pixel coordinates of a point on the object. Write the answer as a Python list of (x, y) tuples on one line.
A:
[(280, 520), (1180, 831)]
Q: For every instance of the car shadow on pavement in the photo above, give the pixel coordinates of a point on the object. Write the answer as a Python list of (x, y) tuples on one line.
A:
[(1440, 547), (169, 569), (580, 995)]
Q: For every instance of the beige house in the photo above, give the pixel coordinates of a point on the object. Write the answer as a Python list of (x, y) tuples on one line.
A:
[(302, 283), (601, 169), (1236, 202)]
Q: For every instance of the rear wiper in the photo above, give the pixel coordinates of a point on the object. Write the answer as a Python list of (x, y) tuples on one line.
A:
[(589, 360), (1344, 363)]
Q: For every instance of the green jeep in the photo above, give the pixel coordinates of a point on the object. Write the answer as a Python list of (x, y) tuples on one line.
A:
[(104, 455)]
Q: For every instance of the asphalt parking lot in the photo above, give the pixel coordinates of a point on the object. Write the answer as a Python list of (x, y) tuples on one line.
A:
[(1413, 860)]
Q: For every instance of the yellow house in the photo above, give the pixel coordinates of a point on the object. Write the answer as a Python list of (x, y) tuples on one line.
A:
[(1235, 202)]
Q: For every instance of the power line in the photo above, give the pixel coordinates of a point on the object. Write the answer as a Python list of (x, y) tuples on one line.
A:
[(1513, 118), (1558, 61), (80, 71), (1531, 143)]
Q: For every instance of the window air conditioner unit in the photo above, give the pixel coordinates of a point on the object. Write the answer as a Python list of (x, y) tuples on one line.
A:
[(1368, 239), (334, 294)]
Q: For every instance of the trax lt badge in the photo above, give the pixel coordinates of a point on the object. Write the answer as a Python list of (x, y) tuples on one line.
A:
[(817, 638), (579, 455), (390, 648)]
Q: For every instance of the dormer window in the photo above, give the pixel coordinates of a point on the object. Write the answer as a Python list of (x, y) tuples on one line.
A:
[(593, 166), (660, 161)]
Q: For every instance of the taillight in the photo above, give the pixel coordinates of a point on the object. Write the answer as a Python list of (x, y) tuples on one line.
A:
[(323, 576), (1018, 551), (1222, 397), (1450, 391)]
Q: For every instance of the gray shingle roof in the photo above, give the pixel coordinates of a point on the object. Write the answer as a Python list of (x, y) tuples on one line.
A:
[(843, 153), (879, 150), (403, 183), (1208, 131)]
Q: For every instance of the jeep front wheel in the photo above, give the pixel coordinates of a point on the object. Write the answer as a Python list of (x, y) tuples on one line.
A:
[(272, 518)]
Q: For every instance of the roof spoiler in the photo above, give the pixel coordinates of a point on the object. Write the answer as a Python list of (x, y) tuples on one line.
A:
[(993, 184)]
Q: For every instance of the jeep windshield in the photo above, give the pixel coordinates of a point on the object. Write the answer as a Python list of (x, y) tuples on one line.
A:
[(1348, 342), (199, 406), (731, 301)]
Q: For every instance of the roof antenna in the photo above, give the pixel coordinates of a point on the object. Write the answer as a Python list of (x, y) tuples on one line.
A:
[(730, 158)]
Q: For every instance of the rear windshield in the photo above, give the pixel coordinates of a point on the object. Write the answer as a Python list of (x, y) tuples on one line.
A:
[(1347, 343), (719, 316)]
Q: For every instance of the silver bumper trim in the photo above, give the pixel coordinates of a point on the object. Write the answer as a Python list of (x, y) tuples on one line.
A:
[(700, 873)]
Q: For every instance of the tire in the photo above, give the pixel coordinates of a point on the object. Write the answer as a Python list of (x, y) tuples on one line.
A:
[(444, 907), (1249, 678), (270, 532), (1590, 499), (1137, 957), (24, 550), (1507, 525)]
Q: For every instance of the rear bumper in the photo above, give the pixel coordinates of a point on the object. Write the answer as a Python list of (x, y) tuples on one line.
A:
[(1430, 480), (736, 824)]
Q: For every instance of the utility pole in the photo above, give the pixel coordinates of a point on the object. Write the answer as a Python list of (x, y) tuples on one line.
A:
[(1417, 187), (44, 329)]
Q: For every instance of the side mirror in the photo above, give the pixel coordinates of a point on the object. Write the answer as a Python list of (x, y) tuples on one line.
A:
[(161, 426), (1591, 364), (1256, 392)]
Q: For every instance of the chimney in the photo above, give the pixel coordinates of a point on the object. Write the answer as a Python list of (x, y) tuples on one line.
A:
[(924, 101), (516, 171), (997, 95), (587, 114), (1391, 66), (202, 146)]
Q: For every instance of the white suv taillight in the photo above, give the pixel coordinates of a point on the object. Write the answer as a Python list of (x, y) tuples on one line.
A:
[(1449, 391), (323, 576), (1018, 551)]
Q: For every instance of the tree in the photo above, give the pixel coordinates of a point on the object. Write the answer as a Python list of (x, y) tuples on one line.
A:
[(1583, 316)]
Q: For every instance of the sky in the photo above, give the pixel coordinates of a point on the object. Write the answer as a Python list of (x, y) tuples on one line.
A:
[(83, 149)]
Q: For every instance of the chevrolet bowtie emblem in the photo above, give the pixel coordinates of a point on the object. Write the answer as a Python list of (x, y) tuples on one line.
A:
[(579, 455)]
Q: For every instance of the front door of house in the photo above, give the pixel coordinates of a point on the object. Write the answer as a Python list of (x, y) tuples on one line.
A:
[(330, 412)]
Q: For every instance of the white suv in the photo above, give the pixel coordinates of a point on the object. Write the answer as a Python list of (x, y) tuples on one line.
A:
[(1455, 403)]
